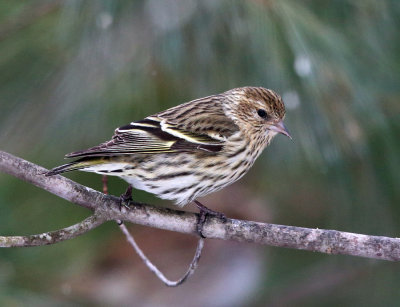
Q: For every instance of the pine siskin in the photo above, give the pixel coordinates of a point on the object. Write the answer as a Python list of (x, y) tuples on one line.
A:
[(190, 150)]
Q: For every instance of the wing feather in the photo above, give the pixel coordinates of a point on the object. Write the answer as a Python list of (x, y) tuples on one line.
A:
[(198, 125), (148, 137)]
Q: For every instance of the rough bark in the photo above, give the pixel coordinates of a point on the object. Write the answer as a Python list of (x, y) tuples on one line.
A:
[(106, 208)]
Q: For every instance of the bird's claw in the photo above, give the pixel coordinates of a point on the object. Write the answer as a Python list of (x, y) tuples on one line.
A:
[(200, 223), (204, 211), (126, 198)]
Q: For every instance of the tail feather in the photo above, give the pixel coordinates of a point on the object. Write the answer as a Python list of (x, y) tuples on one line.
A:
[(73, 166)]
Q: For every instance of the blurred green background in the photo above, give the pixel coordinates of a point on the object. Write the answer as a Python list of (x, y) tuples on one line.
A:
[(73, 71)]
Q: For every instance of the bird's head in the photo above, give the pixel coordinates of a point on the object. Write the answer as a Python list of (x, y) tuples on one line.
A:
[(259, 112)]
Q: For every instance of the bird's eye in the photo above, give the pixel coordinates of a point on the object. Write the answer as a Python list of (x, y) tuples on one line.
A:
[(262, 113)]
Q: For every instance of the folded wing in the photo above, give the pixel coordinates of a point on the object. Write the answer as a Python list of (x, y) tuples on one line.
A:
[(199, 125), (147, 137)]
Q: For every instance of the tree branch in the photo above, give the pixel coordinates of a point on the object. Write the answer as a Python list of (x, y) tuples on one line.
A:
[(52, 237), (154, 269), (107, 208)]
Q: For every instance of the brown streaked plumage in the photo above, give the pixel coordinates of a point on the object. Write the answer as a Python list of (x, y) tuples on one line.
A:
[(190, 150)]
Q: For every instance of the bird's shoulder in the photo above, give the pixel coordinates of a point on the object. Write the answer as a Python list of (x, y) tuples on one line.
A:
[(203, 116)]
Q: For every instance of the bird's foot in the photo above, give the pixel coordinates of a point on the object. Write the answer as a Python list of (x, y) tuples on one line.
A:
[(204, 211), (126, 198)]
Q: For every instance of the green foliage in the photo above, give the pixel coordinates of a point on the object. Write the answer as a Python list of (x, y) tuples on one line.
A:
[(72, 71)]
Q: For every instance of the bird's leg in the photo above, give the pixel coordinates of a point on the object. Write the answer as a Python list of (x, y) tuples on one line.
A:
[(104, 179), (126, 198), (203, 216)]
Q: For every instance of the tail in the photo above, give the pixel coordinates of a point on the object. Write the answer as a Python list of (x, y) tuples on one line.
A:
[(73, 166)]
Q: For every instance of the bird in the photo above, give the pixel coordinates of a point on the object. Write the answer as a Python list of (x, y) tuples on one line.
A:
[(190, 150)]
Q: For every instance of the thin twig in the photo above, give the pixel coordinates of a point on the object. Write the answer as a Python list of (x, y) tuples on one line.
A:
[(154, 269), (146, 260), (52, 237), (107, 206)]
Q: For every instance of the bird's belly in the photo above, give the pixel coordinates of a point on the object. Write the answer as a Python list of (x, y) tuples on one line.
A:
[(186, 179), (179, 189)]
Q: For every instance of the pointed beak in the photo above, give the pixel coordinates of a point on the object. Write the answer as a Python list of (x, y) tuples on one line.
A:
[(280, 128)]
